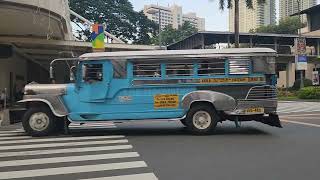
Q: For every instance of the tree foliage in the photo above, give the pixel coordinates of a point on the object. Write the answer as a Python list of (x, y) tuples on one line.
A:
[(119, 16), (170, 35), (289, 25)]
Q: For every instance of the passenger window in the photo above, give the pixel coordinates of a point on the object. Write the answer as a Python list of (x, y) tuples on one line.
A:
[(92, 72), (181, 69), (119, 69), (211, 67), (239, 65), (146, 70)]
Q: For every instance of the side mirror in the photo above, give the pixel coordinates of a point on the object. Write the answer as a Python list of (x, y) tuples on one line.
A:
[(84, 71), (72, 73)]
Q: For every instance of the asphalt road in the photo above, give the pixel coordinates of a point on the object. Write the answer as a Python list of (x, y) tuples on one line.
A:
[(147, 151)]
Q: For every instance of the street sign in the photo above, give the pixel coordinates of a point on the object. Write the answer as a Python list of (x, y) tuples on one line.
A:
[(301, 62), (315, 78)]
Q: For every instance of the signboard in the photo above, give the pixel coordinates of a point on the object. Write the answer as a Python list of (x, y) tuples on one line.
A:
[(301, 51), (232, 80), (301, 47), (97, 37), (166, 101), (315, 78), (301, 62)]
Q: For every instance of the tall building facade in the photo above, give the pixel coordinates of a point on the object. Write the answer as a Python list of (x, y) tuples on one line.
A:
[(288, 7), (259, 15), (173, 16)]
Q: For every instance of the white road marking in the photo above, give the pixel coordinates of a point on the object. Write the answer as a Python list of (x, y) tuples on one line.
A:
[(68, 159), (12, 135), (15, 138), (69, 150), (58, 139), (32, 146), (71, 170), (145, 176), (300, 115), (301, 123)]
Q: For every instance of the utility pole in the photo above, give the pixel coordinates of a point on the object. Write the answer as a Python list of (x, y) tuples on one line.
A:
[(160, 43), (236, 23)]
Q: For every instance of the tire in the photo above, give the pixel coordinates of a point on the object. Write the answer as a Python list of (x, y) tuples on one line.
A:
[(202, 119), (39, 121)]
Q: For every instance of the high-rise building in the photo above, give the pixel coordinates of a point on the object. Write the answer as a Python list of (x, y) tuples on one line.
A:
[(259, 15), (288, 7), (173, 16)]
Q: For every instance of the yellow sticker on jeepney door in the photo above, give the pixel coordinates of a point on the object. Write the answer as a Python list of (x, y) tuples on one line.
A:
[(166, 101)]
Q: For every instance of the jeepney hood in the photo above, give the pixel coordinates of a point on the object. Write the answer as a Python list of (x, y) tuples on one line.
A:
[(55, 89)]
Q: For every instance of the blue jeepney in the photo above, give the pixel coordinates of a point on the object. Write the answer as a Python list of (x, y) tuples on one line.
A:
[(198, 87)]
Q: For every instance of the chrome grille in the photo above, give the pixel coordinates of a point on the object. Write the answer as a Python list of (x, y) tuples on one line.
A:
[(262, 92)]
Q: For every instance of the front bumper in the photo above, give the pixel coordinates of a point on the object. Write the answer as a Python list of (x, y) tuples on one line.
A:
[(269, 106)]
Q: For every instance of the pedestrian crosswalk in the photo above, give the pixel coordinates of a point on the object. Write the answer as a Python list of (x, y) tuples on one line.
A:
[(70, 157), (298, 107)]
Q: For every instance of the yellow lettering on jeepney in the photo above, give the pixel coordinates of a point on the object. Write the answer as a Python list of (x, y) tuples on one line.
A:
[(166, 101), (231, 80)]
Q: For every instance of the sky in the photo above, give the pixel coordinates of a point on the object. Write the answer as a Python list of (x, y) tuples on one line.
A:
[(216, 20)]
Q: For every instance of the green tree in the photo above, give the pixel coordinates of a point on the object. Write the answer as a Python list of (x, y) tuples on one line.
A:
[(229, 4), (289, 25), (170, 35), (119, 16)]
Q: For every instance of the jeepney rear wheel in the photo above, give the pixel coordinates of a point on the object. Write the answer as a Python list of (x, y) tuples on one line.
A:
[(39, 121), (201, 119)]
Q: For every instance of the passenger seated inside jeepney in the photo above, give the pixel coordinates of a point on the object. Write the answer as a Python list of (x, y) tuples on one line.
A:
[(204, 68), (93, 73)]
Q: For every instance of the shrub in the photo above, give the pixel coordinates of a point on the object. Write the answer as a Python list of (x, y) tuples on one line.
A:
[(309, 93), (306, 82)]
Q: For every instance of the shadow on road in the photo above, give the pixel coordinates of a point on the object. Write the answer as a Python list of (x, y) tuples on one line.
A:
[(169, 131)]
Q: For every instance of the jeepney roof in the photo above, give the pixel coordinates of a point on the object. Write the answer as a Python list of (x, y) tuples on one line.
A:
[(191, 53)]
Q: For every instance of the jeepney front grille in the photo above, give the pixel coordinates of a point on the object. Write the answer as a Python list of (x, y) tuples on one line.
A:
[(262, 92)]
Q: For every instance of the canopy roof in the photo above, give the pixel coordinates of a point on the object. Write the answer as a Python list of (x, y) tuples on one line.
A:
[(177, 54)]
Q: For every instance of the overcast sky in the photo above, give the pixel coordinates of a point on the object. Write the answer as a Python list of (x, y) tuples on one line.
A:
[(216, 20)]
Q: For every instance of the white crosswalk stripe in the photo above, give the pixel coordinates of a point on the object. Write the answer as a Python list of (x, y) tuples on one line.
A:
[(145, 176), (297, 107), (32, 146), (69, 150), (21, 157), (14, 141)]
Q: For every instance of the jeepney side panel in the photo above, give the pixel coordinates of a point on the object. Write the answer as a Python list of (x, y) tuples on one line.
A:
[(128, 100)]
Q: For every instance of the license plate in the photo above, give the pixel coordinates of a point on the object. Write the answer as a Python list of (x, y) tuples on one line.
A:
[(254, 111)]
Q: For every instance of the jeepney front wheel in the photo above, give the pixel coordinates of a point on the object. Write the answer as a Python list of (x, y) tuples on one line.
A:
[(201, 119), (39, 121)]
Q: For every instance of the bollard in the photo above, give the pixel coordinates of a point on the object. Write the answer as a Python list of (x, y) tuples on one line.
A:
[(5, 99), (4, 117)]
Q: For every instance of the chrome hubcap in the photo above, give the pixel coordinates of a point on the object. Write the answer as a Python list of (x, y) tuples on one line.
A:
[(39, 121), (201, 120)]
